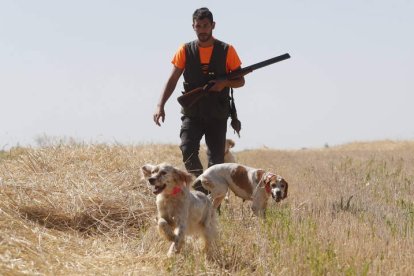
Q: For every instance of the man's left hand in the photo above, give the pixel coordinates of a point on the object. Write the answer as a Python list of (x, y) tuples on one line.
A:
[(218, 86)]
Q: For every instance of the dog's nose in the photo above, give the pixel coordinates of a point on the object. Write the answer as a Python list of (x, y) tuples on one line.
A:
[(151, 180), (279, 194)]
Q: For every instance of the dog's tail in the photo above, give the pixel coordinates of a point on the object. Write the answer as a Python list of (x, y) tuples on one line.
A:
[(198, 186)]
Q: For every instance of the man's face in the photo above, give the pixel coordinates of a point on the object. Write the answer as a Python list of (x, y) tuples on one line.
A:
[(204, 29)]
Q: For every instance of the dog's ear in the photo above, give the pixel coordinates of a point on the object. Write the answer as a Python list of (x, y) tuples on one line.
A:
[(146, 170), (286, 188), (185, 177)]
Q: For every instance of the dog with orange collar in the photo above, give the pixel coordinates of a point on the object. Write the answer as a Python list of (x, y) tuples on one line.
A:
[(181, 212), (246, 182)]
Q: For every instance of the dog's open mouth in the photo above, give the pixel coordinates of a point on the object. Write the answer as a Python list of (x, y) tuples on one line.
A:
[(158, 189)]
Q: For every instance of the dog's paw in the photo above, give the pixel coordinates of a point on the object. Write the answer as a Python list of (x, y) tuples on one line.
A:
[(170, 254), (173, 250)]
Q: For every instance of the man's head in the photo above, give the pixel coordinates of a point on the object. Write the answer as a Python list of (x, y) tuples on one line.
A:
[(203, 24), (203, 13)]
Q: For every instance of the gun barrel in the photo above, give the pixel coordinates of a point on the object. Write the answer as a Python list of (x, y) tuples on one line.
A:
[(268, 62), (189, 98), (250, 68)]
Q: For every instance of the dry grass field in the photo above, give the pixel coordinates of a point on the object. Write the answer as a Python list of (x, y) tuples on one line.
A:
[(80, 209)]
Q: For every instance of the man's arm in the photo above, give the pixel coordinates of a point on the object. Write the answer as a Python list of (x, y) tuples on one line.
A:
[(221, 84), (168, 90)]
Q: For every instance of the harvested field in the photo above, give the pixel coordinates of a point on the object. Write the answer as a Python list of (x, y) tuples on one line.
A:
[(84, 210)]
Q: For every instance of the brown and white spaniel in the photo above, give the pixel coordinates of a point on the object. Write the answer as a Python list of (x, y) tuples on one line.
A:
[(247, 183)]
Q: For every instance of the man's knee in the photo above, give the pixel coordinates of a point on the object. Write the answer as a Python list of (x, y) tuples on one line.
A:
[(191, 160), (189, 152), (215, 158)]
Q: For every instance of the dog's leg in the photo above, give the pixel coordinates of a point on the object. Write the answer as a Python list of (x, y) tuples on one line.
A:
[(226, 199), (165, 229), (210, 244), (178, 242), (242, 208), (180, 237), (217, 192), (171, 251), (259, 208), (217, 201), (259, 212), (210, 235)]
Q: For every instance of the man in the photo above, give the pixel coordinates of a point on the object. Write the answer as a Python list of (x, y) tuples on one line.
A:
[(198, 60)]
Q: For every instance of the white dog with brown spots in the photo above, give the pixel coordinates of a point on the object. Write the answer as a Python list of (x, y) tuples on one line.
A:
[(181, 212), (246, 182)]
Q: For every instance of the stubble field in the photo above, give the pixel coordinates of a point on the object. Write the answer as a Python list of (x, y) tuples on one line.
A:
[(81, 209)]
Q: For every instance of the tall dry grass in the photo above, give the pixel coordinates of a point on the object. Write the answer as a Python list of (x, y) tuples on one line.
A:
[(84, 210)]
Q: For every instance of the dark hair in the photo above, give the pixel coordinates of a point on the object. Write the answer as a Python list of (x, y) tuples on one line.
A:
[(202, 13)]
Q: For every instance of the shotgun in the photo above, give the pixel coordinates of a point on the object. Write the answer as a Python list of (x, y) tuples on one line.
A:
[(191, 97)]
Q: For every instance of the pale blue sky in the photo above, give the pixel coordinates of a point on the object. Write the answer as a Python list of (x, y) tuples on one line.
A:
[(94, 70)]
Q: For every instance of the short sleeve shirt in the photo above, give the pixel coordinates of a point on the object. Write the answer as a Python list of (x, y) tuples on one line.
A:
[(232, 62)]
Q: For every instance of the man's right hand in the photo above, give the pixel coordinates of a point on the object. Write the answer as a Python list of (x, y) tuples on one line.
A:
[(168, 90), (159, 114)]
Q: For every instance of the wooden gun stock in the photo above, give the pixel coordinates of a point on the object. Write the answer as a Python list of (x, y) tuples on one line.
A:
[(191, 97)]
